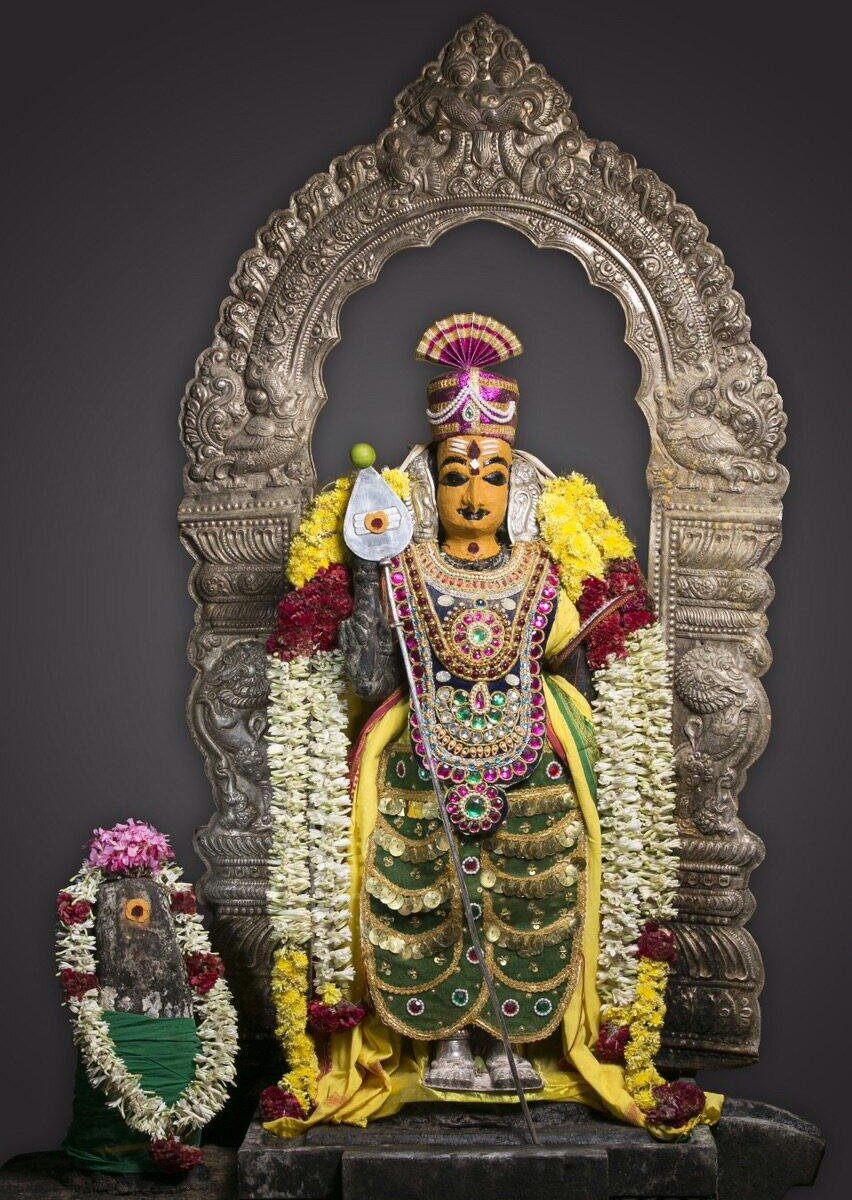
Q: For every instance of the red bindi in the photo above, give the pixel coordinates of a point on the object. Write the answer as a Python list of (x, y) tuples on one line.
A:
[(473, 548)]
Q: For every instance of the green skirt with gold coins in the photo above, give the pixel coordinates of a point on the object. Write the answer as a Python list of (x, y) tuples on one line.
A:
[(526, 882)]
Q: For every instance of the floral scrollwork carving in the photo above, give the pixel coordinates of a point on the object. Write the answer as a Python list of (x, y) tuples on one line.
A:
[(728, 708), (230, 719), (485, 112), (722, 431)]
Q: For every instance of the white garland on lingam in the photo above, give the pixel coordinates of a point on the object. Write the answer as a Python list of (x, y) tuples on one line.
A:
[(144, 1111), (635, 798), (309, 878)]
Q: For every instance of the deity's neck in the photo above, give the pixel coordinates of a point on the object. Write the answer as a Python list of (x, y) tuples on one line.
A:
[(482, 562), (465, 549)]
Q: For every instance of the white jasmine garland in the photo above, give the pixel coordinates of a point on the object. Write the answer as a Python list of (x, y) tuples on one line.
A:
[(290, 757), (309, 881), (329, 812), (145, 1111), (635, 777), (661, 839)]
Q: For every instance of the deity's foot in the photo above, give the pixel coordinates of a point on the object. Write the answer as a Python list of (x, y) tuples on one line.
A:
[(500, 1073), (452, 1068)]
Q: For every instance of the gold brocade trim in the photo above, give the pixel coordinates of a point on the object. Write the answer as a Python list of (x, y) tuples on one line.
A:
[(534, 802), (523, 802), (538, 845), (479, 1012), (415, 945), (376, 986), (563, 875), (415, 850), (444, 382), (406, 901), (479, 429), (404, 804), (571, 969), (527, 942), (542, 985), (504, 579)]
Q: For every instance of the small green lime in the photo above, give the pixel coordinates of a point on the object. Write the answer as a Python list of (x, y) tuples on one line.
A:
[(362, 455)]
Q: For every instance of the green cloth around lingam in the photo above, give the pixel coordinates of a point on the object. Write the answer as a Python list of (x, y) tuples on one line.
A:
[(162, 1052)]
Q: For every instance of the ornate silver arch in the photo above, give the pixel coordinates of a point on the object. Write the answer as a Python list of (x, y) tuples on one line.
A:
[(484, 134)]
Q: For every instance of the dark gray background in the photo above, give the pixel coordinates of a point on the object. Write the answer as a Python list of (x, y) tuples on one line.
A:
[(146, 143)]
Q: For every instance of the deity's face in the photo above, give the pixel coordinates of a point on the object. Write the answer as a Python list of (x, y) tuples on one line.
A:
[(472, 492)]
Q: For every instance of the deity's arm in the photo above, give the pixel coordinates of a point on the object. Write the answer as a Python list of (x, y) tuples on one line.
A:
[(367, 640)]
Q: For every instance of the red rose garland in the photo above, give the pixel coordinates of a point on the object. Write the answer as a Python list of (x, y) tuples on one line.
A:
[(612, 1042), (275, 1103)]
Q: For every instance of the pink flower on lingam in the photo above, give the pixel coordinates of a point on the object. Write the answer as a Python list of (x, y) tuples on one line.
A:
[(129, 848)]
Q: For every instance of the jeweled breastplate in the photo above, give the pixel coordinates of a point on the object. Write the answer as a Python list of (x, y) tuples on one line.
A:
[(475, 641)]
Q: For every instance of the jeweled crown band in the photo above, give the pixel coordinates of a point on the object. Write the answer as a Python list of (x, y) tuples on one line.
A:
[(472, 403), (440, 433), (445, 382)]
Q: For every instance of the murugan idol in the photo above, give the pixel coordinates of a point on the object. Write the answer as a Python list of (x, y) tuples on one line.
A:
[(469, 900)]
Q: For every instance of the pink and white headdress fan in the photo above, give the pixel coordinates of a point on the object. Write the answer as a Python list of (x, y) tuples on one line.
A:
[(470, 400)]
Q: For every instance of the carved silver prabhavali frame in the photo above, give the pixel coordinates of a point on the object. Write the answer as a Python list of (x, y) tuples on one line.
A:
[(484, 134)]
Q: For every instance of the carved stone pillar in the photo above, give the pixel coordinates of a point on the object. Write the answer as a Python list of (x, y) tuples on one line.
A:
[(239, 540)]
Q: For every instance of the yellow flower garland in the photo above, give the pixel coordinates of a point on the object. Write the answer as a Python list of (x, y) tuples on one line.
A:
[(290, 996), (645, 1017), (579, 531), (319, 541)]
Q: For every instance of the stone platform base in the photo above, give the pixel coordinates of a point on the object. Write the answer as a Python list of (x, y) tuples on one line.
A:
[(445, 1153), (455, 1152)]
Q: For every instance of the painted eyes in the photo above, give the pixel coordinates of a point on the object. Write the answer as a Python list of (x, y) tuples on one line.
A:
[(138, 910), (455, 479)]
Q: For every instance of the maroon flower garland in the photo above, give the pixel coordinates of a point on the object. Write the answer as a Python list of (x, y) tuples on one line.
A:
[(334, 1018), (309, 616), (203, 970), (275, 1103), (609, 635)]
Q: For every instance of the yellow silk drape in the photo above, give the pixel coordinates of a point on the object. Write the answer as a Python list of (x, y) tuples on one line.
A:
[(373, 1071)]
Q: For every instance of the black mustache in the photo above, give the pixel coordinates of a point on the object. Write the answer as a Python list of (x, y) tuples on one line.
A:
[(472, 514)]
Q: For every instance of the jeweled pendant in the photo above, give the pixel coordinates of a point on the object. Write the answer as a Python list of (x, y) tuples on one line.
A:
[(476, 808)]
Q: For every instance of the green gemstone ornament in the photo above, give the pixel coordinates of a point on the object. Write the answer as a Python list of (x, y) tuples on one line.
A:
[(475, 806)]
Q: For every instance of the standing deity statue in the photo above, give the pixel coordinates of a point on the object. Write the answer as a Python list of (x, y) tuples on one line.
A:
[(474, 842)]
